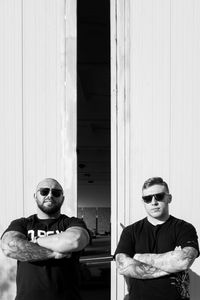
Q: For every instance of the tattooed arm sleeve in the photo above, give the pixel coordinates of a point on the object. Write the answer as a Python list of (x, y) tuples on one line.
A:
[(15, 245), (129, 267), (172, 261)]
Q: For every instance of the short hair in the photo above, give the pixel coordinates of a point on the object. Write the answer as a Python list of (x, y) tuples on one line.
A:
[(155, 180)]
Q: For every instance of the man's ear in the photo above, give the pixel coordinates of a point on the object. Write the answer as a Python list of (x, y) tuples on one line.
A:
[(169, 198), (34, 196)]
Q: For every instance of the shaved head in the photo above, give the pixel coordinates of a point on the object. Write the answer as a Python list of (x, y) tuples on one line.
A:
[(50, 183)]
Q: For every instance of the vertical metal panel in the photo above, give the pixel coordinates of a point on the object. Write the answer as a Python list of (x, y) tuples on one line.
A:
[(11, 158), (38, 101), (11, 125), (114, 175), (185, 105), (185, 118), (119, 141), (43, 93), (38, 108), (150, 102), (157, 108), (70, 112)]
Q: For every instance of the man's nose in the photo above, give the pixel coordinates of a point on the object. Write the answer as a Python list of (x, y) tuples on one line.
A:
[(50, 194), (154, 201)]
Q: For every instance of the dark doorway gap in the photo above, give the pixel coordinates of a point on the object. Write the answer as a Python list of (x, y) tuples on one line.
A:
[(93, 140)]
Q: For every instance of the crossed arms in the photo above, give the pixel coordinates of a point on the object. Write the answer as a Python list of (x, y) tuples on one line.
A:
[(15, 245), (150, 265)]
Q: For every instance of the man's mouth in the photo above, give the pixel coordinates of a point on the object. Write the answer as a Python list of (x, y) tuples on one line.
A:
[(48, 201), (155, 209)]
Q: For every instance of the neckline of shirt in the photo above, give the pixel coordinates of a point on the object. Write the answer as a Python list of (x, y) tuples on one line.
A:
[(158, 225)]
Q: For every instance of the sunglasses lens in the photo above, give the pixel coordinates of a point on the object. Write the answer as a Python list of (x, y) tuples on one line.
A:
[(44, 192), (160, 196), (147, 199), (56, 193)]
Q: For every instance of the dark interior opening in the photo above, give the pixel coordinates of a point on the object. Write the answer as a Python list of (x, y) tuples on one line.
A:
[(93, 139)]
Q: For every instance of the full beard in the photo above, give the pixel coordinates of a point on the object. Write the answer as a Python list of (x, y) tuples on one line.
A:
[(50, 210)]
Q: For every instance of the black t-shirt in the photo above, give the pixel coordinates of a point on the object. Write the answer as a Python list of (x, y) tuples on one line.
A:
[(52, 279), (143, 237)]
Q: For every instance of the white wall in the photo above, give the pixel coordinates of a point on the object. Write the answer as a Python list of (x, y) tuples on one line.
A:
[(11, 177), (158, 110), (38, 107), (38, 101)]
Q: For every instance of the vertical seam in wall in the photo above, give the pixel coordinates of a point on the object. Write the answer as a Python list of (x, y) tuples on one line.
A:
[(124, 120), (116, 133), (63, 101), (170, 95), (22, 101), (124, 108), (116, 99), (65, 94), (76, 114)]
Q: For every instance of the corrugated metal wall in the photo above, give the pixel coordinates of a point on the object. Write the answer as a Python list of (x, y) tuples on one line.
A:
[(158, 109), (157, 95), (37, 99), (38, 108)]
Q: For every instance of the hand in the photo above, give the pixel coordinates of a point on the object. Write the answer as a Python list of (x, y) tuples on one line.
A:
[(123, 261), (58, 255), (136, 256)]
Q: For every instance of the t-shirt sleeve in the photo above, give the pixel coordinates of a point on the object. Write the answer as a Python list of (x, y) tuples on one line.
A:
[(74, 222), (77, 222), (17, 225), (187, 236), (126, 243)]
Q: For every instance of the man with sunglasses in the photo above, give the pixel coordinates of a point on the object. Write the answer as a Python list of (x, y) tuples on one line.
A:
[(47, 248), (155, 253)]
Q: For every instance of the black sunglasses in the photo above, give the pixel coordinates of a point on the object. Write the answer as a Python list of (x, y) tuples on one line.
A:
[(55, 192), (158, 197)]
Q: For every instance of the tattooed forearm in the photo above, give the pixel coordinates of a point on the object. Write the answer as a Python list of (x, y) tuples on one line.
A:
[(172, 261), (143, 271), (189, 254), (15, 245), (131, 268)]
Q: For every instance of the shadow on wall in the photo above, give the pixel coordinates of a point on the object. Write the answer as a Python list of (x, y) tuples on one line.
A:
[(194, 285), (7, 278)]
